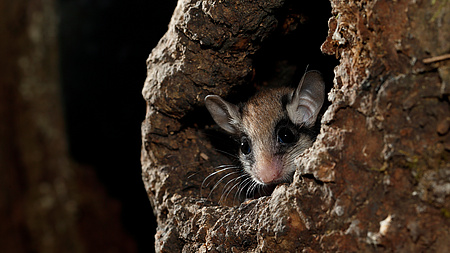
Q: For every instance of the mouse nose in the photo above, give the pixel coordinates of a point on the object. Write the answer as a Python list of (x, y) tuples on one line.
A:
[(269, 170)]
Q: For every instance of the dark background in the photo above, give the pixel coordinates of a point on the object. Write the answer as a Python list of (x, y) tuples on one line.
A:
[(104, 45), (103, 48)]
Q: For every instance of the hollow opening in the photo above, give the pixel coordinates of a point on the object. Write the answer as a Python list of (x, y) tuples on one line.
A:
[(293, 49), (295, 46)]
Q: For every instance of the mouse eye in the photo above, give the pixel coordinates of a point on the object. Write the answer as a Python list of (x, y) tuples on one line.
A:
[(285, 136), (245, 146)]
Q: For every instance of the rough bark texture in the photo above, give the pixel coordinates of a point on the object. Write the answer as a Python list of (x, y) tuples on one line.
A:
[(47, 203), (376, 179)]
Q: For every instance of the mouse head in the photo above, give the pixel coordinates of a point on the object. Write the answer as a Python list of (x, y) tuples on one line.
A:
[(274, 127)]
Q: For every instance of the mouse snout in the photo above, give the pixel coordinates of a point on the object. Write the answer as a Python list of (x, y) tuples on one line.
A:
[(269, 170)]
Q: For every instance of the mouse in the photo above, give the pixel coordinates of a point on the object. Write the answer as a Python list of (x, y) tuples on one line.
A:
[(272, 128)]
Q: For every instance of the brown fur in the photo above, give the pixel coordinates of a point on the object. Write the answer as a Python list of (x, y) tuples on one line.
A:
[(262, 112)]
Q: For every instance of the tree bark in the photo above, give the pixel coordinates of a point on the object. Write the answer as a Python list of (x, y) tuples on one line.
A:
[(376, 179)]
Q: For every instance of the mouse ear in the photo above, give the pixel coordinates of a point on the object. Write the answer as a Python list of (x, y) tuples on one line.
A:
[(225, 114), (307, 99)]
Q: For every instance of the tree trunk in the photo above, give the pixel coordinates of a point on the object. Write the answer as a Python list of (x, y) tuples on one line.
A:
[(376, 179), (47, 203)]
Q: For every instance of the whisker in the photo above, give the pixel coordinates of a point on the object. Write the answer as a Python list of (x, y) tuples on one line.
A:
[(258, 188), (244, 184), (236, 194), (241, 186), (232, 180), (223, 192), (264, 189), (225, 167), (220, 180), (248, 188), (227, 153), (251, 189), (193, 174), (231, 188)]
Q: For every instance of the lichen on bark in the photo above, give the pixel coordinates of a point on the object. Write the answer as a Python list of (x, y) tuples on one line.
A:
[(377, 177)]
